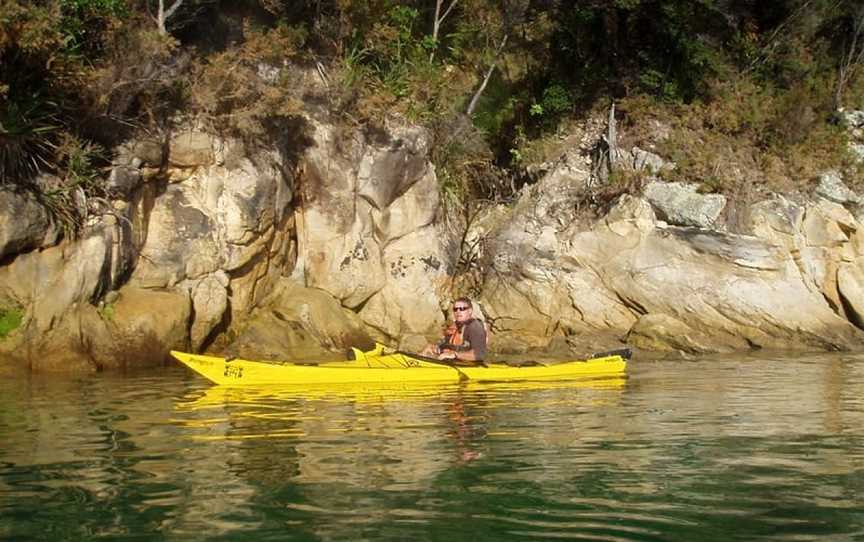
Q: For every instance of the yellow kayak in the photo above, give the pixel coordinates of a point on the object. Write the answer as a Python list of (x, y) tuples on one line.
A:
[(378, 367)]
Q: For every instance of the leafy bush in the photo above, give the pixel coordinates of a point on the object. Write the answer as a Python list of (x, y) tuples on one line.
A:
[(746, 137), (33, 96), (28, 125), (86, 22), (556, 100), (106, 311), (744, 87), (10, 320)]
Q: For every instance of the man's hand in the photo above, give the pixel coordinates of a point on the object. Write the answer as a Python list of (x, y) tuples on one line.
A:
[(447, 354)]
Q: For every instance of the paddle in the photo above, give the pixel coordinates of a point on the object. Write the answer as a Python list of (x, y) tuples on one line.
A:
[(435, 361), (624, 353), (359, 355)]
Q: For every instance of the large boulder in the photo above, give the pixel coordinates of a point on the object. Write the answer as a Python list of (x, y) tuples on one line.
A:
[(181, 241), (663, 333), (192, 148), (136, 328), (850, 284), (832, 188), (24, 223), (209, 304), (682, 205), (331, 325), (535, 292), (336, 248), (721, 285), (50, 282), (295, 323), (407, 309)]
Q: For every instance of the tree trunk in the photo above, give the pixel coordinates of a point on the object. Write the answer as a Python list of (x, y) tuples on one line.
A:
[(163, 15), (852, 60), (489, 72), (436, 24)]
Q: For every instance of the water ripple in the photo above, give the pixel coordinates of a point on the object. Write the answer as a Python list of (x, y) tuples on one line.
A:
[(720, 449)]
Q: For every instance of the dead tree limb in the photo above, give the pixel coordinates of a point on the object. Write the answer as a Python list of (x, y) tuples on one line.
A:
[(489, 72)]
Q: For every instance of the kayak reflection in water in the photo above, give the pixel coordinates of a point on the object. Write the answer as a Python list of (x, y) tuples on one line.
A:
[(464, 340)]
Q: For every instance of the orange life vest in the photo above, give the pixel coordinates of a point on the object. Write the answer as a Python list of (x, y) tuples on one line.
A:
[(454, 335)]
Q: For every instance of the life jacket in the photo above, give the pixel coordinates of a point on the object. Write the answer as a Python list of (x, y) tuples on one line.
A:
[(454, 335)]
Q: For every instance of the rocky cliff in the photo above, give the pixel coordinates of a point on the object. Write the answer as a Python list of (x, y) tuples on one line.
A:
[(327, 236)]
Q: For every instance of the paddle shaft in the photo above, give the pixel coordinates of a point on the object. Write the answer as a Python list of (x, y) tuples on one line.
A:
[(462, 376)]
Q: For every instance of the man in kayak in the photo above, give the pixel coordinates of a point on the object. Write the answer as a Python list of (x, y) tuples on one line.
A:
[(465, 341)]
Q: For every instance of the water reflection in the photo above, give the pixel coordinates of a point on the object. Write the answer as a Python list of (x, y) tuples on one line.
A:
[(469, 428), (383, 437), (710, 450)]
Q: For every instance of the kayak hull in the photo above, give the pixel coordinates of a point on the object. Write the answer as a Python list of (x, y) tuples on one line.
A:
[(374, 367)]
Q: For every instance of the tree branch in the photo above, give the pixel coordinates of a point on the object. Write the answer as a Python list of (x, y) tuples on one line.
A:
[(852, 60), (439, 20), (489, 72)]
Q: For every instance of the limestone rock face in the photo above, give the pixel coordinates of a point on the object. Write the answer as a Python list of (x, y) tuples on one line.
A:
[(57, 286), (832, 188), (334, 237), (681, 205), (365, 229), (335, 232), (850, 284), (191, 148), (661, 332), (820, 236), (408, 305), (51, 281), (137, 329), (220, 230), (218, 241), (726, 286), (181, 242), (268, 337), (24, 223), (676, 288), (218, 227), (209, 303), (300, 323), (333, 326)]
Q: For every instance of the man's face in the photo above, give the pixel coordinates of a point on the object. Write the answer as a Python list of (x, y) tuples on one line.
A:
[(461, 311)]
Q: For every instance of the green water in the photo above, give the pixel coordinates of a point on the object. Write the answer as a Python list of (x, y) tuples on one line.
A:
[(731, 449)]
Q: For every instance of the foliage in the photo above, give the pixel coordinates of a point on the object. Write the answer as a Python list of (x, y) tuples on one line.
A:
[(747, 88), (746, 137), (79, 178), (243, 86), (106, 311), (85, 22), (27, 124), (32, 96), (10, 320)]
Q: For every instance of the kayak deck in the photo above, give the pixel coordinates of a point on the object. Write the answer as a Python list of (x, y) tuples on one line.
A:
[(376, 367)]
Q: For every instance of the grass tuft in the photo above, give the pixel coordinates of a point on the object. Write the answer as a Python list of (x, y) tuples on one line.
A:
[(10, 320)]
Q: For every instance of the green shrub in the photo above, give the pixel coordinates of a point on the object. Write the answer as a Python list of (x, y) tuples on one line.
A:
[(746, 136), (106, 311), (10, 320), (85, 22), (28, 127)]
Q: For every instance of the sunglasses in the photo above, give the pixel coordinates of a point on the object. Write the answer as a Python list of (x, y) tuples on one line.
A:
[(460, 309)]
